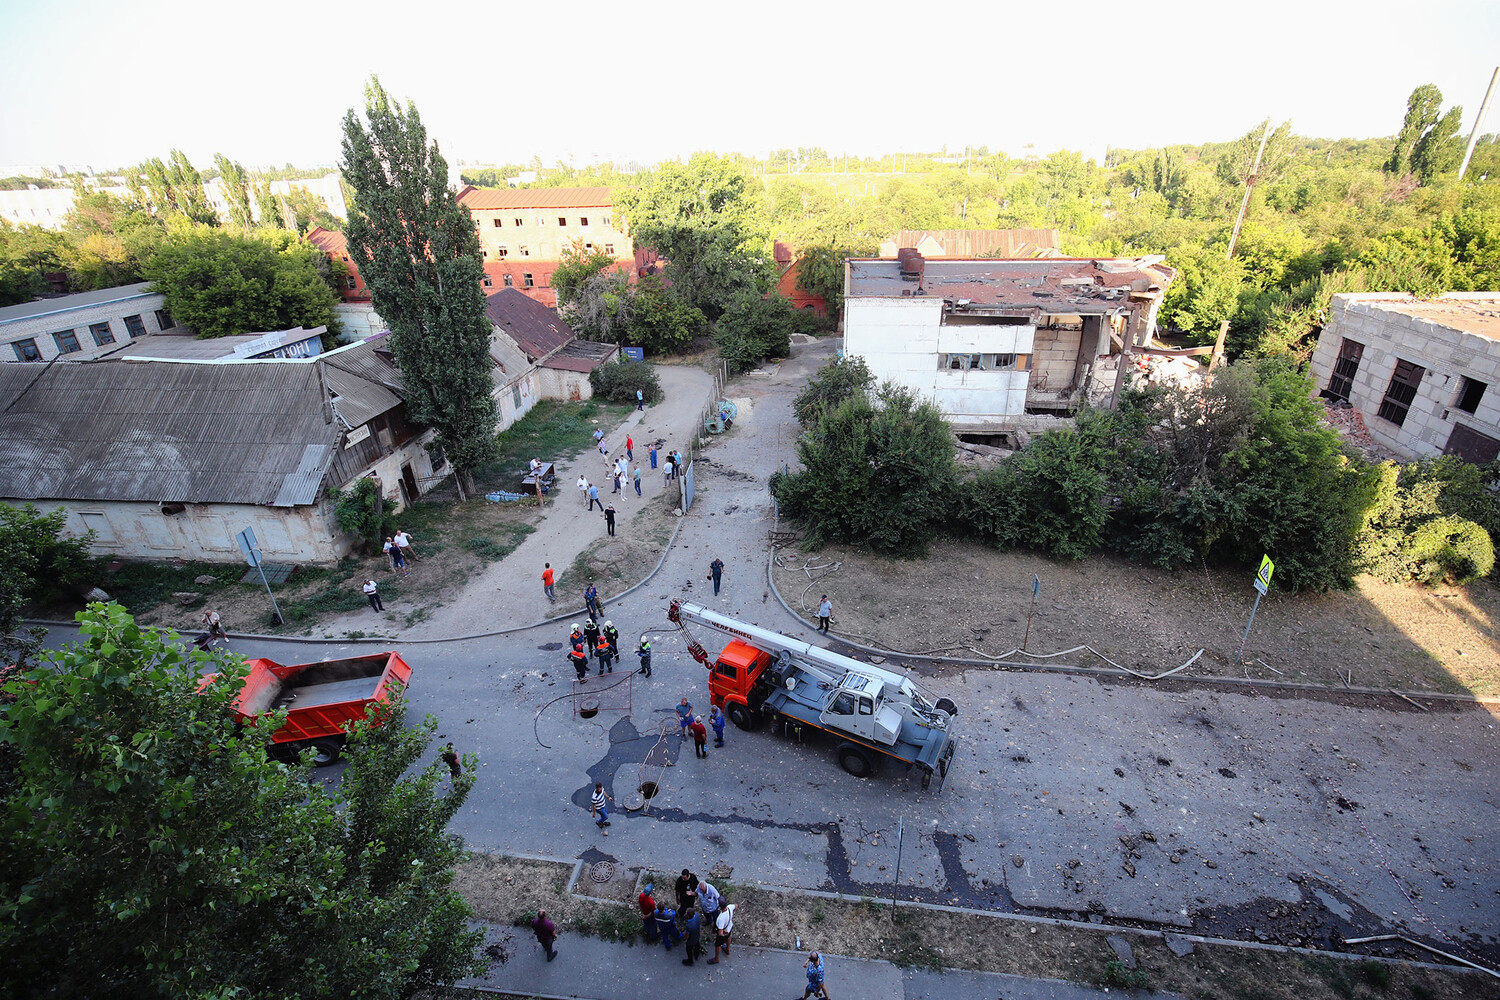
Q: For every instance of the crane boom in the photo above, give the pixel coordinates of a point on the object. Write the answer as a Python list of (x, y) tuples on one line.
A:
[(826, 665)]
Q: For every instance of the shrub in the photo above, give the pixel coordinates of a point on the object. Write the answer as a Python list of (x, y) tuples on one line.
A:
[(618, 381), (1449, 504), (755, 328), (360, 511), (1449, 549), (835, 382)]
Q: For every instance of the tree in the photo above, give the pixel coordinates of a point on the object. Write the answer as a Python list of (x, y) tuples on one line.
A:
[(1237, 167), (756, 327), (416, 248), (220, 282), (27, 254), (835, 382), (659, 321), (149, 848), (236, 186), (704, 220), (304, 210), (269, 206), (593, 295), (171, 188), (1427, 143), (820, 270), (878, 472), (618, 382), (40, 562)]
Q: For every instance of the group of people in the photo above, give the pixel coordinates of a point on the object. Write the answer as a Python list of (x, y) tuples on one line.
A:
[(601, 644), (692, 725), (399, 550), (661, 922)]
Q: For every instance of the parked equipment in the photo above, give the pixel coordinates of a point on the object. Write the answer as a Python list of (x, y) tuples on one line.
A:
[(322, 699), (763, 676)]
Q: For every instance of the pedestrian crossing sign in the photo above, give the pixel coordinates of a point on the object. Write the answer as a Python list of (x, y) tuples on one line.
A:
[(1263, 575)]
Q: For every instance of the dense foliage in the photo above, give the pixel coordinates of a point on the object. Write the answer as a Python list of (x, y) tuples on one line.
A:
[(618, 381), (416, 248), (360, 511), (149, 847), (1432, 521), (835, 382), (757, 327), (39, 563)]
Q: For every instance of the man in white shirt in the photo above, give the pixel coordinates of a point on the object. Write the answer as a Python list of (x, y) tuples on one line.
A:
[(403, 541)]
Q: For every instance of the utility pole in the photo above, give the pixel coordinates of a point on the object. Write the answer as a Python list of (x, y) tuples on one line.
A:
[(1234, 237), (1478, 120)]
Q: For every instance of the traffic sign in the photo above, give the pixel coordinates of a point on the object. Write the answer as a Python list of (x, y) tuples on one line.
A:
[(1263, 575), (246, 539), (1036, 586)]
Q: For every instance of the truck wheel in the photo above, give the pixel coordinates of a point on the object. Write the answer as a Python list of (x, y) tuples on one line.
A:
[(743, 717), (856, 761), (946, 705), (325, 752)]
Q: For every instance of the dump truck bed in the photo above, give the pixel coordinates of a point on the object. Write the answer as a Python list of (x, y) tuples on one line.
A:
[(321, 699)]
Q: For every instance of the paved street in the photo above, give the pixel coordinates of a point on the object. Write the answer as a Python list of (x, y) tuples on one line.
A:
[(1238, 814)]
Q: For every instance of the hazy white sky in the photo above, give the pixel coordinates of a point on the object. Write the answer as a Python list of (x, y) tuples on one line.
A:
[(110, 83)]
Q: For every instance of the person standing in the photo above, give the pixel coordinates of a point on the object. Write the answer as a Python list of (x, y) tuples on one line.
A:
[(677, 464), (598, 435), (684, 719), (716, 722), (609, 516), (693, 934), (710, 900), (576, 636), (591, 600), (666, 926), (403, 541), (814, 965), (612, 635), (393, 552), (372, 592), (547, 581), (700, 736), (591, 636), (636, 476), (629, 448), (644, 652), (450, 757), (653, 456), (723, 930), (614, 481), (640, 400), (685, 884), (606, 656), (546, 933), (667, 472), (603, 447), (583, 488), (647, 903), (716, 573), (825, 612), (594, 497), (580, 660), (599, 807)]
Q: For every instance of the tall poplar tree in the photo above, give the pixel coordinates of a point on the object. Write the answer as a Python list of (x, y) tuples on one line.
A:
[(416, 248)]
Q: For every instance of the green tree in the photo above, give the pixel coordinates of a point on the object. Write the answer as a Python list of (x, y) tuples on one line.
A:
[(1237, 166), (171, 188), (416, 248), (703, 218), (40, 563), (835, 382), (820, 270), (236, 186), (360, 511), (756, 327), (149, 848), (27, 254), (220, 282), (619, 380), (1427, 144), (593, 294), (269, 206), (659, 321), (304, 210), (878, 472)]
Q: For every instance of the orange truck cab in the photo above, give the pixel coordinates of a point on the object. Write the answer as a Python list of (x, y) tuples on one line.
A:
[(732, 679)]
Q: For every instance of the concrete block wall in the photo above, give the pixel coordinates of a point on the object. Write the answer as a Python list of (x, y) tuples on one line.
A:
[(63, 315)]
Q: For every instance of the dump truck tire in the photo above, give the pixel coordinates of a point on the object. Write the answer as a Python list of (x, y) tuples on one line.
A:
[(325, 752), (744, 717), (856, 761)]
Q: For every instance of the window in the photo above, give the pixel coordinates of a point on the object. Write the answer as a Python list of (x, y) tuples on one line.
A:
[(484, 254), (866, 707), (583, 220), (67, 341), (1005, 363), (1344, 368), (508, 282), (962, 362), (502, 251), (104, 335), (351, 281), (487, 281), (526, 280), (606, 220), (562, 220), (26, 350), (136, 328), (499, 222), (1470, 392), (589, 247), (727, 670), (1402, 390), (518, 221), (164, 320), (843, 704), (525, 250), (515, 395), (609, 248)]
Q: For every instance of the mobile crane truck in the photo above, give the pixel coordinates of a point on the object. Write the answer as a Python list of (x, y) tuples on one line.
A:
[(878, 716)]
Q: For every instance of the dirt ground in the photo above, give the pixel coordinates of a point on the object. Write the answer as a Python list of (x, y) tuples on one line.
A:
[(507, 891), (968, 601), (624, 560)]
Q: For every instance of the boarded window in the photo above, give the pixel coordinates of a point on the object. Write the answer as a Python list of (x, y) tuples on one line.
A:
[(1472, 446), (1344, 368), (1402, 390)]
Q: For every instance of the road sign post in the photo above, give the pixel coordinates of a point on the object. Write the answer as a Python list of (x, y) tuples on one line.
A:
[(246, 539), (900, 824), (1036, 589), (1262, 584)]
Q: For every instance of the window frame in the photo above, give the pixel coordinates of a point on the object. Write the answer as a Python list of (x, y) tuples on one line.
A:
[(164, 320), (136, 329), (1466, 386), (499, 222), (1345, 368), (562, 222), (527, 280), (64, 337), (1401, 392), (19, 346), (508, 281), (102, 336)]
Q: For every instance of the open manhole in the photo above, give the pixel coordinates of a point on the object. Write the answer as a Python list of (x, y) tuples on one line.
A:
[(588, 708), (648, 789), (602, 871), (644, 793)]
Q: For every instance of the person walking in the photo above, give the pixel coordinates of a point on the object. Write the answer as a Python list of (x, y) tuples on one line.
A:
[(603, 447), (612, 634), (825, 612), (403, 542), (710, 900), (450, 757), (666, 926), (647, 903), (591, 600), (684, 886), (700, 736), (594, 497), (599, 807), (609, 516), (546, 933), (716, 573), (606, 656), (640, 400), (590, 636), (653, 456), (814, 966), (547, 582), (636, 477), (723, 930), (684, 718), (372, 592), (716, 722), (644, 652), (693, 935), (629, 448)]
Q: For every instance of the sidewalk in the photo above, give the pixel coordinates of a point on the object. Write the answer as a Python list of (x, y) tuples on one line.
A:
[(591, 969)]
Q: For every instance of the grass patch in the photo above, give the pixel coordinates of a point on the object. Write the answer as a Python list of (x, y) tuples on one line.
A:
[(552, 431), (140, 586), (1117, 975), (490, 549)]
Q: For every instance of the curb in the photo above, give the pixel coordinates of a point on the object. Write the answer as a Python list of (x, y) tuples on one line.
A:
[(1059, 668)]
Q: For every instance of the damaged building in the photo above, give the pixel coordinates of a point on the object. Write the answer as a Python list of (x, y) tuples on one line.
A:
[(1003, 347)]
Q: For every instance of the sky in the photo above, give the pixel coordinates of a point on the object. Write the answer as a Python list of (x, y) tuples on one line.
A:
[(109, 84)]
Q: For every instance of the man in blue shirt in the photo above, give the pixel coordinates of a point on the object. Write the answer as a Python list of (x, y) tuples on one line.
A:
[(684, 717)]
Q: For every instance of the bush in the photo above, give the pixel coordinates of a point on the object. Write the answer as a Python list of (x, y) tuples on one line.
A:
[(618, 381), (360, 511), (755, 328), (1449, 549), (835, 382)]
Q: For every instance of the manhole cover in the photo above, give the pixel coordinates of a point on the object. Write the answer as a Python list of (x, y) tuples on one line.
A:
[(602, 871)]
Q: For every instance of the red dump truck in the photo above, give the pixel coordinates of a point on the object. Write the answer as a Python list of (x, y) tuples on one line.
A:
[(322, 699)]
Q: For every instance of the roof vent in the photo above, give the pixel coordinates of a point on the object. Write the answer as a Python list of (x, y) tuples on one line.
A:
[(912, 263)]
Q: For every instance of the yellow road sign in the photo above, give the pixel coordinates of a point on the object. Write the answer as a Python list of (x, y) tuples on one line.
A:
[(1263, 575)]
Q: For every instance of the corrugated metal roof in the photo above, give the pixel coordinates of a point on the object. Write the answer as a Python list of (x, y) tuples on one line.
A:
[(364, 380), (536, 329), (978, 242), (581, 356), (491, 198), (163, 431)]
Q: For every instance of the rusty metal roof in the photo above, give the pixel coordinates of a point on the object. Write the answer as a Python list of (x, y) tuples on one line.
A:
[(581, 356), (536, 329), (1031, 285), (978, 242), (475, 198)]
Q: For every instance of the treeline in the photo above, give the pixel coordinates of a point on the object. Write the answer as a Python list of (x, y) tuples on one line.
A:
[(1221, 470)]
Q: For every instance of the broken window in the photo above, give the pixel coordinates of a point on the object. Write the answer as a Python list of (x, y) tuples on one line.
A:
[(1005, 363), (508, 282), (1344, 369), (609, 248), (1470, 392), (487, 281), (499, 222), (502, 251), (526, 279), (525, 250), (964, 362), (1400, 393)]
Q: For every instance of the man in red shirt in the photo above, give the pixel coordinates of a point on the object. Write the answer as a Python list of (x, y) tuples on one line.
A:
[(700, 736), (629, 448), (547, 583), (647, 904)]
